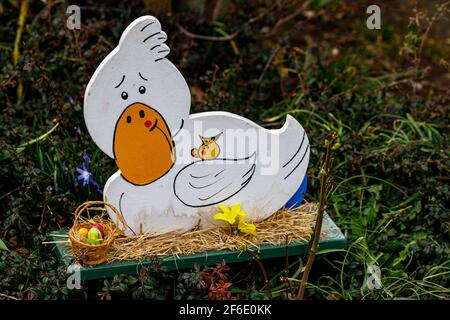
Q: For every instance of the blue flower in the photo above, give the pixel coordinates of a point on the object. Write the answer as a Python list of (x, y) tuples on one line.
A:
[(86, 159), (85, 175)]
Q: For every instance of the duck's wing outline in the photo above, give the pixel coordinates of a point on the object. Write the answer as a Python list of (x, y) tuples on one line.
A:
[(207, 182)]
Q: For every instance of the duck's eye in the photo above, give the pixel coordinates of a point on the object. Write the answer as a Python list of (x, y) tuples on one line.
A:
[(124, 95), (129, 119), (141, 89), (141, 114)]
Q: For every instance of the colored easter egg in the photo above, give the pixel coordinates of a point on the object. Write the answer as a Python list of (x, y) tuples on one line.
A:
[(100, 228), (95, 242), (94, 236), (83, 232)]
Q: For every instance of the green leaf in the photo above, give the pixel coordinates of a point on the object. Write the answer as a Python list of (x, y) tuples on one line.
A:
[(3, 246), (42, 137), (317, 4)]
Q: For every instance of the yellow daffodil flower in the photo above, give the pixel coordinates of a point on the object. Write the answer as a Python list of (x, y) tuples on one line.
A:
[(248, 228), (229, 215), (236, 218)]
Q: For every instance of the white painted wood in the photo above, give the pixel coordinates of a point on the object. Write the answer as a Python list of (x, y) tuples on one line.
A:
[(164, 183)]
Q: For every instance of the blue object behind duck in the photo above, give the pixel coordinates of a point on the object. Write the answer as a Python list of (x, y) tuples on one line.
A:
[(296, 200)]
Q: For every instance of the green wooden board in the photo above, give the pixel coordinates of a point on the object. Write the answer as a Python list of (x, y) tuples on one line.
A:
[(332, 238)]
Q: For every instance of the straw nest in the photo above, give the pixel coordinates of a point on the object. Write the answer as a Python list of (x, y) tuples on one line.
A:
[(293, 225)]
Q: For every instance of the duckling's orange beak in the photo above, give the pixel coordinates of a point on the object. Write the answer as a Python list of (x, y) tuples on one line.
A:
[(143, 145)]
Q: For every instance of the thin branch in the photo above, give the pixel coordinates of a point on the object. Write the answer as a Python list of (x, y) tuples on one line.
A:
[(288, 287), (233, 35), (8, 193), (291, 16), (325, 172), (101, 9), (45, 135), (441, 10), (8, 297), (210, 38), (270, 60), (44, 210), (264, 13), (263, 271)]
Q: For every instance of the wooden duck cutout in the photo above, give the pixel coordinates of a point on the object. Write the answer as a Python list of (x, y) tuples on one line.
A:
[(136, 109)]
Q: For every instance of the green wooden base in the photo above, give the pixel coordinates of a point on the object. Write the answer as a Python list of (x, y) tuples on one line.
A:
[(332, 238)]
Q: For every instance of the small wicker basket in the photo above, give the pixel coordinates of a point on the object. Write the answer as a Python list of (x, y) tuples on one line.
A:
[(91, 254)]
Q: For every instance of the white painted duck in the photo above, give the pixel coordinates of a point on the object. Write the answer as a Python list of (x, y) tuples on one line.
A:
[(175, 168)]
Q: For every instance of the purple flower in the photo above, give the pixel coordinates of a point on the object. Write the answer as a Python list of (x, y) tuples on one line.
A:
[(85, 175), (86, 159), (79, 130), (70, 99)]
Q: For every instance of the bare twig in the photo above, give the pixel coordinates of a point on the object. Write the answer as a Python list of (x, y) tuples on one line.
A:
[(102, 9), (44, 209), (6, 296), (441, 11), (203, 37), (10, 192), (213, 80), (264, 13), (270, 60), (291, 16), (45, 135), (325, 173), (289, 292), (233, 35), (16, 52), (263, 271)]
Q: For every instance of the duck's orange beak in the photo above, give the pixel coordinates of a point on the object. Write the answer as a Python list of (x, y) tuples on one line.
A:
[(143, 145)]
